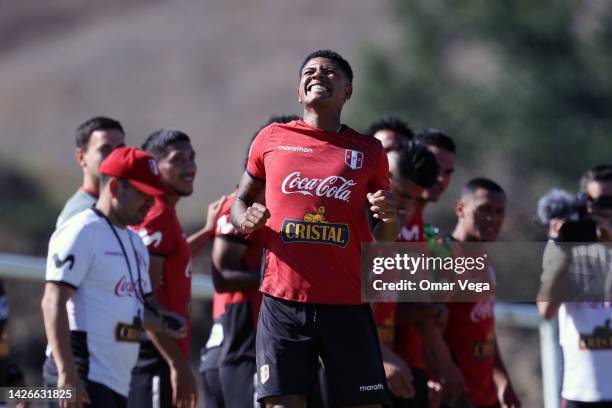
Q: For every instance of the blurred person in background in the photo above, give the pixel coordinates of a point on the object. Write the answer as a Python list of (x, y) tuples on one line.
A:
[(97, 297), (228, 365), (96, 138), (470, 331), (584, 326), (391, 131), (162, 376), (412, 169), (433, 369), (10, 373)]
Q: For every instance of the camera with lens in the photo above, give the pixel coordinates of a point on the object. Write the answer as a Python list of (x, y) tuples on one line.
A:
[(579, 227), (573, 209)]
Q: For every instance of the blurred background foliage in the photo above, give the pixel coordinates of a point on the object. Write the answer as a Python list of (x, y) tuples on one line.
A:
[(524, 88)]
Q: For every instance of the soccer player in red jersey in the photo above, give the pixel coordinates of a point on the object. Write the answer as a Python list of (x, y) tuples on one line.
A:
[(163, 370), (321, 178), (228, 359), (418, 339), (470, 332), (412, 169)]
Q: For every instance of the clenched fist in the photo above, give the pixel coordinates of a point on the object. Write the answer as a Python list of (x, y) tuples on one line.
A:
[(254, 218)]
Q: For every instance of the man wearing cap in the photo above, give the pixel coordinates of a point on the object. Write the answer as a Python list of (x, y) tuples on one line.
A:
[(95, 300)]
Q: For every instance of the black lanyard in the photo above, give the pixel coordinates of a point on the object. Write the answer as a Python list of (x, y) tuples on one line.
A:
[(138, 291)]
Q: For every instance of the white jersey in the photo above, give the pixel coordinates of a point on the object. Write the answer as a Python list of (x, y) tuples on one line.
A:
[(586, 340), (85, 254)]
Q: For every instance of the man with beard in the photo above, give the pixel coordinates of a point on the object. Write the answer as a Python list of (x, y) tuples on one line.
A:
[(96, 298), (321, 179), (162, 373)]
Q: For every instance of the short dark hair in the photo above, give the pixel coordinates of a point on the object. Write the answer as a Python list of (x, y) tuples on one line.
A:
[(392, 123), (601, 172), (85, 129), (437, 138), (418, 164), (481, 183), (283, 118), (334, 56), (157, 143)]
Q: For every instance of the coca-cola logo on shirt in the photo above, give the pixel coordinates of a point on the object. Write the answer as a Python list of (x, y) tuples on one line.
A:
[(482, 311), (336, 187), (125, 287)]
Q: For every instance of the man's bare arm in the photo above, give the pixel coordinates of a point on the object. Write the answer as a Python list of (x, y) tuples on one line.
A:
[(247, 215), (229, 274)]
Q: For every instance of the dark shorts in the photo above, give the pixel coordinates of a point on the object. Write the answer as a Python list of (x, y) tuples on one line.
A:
[(579, 404), (230, 386), (291, 336), (150, 385)]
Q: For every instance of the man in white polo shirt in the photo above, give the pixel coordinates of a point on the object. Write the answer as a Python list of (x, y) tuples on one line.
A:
[(95, 301)]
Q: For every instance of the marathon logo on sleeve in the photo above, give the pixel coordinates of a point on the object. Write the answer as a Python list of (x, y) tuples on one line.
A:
[(315, 229)]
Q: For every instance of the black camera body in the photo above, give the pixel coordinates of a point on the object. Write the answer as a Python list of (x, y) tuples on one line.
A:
[(578, 227)]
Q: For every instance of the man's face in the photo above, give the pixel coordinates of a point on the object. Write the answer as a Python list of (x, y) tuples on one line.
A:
[(407, 194), (323, 84), (130, 204), (446, 161), (390, 140), (178, 168), (595, 190), (100, 145), (482, 214)]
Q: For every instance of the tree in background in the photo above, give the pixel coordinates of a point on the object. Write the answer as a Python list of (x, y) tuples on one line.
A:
[(522, 81)]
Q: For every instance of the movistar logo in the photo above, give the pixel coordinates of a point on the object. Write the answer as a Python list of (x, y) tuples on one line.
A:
[(315, 229), (61, 262)]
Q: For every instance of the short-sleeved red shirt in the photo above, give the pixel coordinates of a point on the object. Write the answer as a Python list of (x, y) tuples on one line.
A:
[(163, 235), (251, 261), (316, 190), (403, 338), (470, 336)]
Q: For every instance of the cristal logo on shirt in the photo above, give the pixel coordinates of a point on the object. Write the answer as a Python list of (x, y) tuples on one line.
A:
[(126, 288), (315, 229), (336, 187)]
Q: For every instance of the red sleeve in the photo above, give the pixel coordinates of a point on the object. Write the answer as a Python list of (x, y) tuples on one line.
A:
[(255, 165), (224, 228), (157, 234), (380, 179)]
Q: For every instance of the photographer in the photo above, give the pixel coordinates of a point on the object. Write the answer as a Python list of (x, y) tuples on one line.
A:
[(570, 272)]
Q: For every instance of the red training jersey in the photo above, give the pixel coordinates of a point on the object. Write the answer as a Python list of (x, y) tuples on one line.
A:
[(163, 235), (316, 190), (237, 312), (470, 336)]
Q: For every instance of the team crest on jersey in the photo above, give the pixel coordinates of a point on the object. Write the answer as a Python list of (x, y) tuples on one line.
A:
[(315, 229), (484, 349), (600, 339), (264, 373), (353, 159)]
